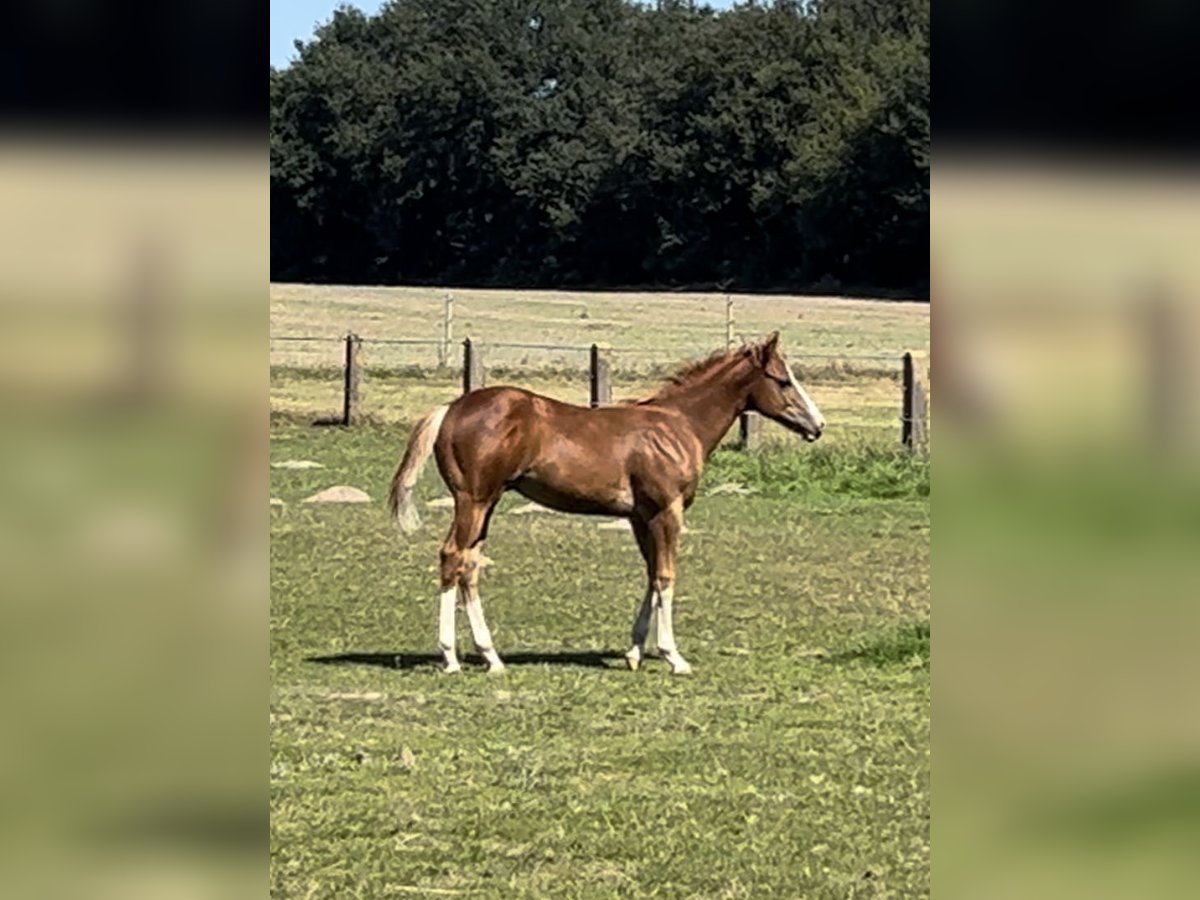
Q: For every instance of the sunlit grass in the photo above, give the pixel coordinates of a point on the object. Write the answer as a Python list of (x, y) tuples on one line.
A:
[(794, 763)]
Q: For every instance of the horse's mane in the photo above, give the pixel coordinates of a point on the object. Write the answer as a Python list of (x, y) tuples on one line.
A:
[(688, 375)]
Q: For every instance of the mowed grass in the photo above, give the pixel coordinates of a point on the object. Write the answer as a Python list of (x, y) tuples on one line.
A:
[(794, 763)]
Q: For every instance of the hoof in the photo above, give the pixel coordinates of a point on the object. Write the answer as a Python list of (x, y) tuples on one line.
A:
[(680, 666), (633, 660), (492, 658), (450, 669)]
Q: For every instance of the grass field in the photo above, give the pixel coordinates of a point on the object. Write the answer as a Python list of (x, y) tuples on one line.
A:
[(794, 763)]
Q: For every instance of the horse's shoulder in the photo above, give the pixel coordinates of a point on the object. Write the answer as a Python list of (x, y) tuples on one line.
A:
[(662, 415)]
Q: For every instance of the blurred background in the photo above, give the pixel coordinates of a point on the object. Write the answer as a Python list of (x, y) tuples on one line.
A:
[(1063, 249), (134, 214), (136, 224)]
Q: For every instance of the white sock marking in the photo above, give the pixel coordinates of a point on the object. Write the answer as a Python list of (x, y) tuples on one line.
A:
[(480, 632), (641, 628), (446, 622), (666, 632)]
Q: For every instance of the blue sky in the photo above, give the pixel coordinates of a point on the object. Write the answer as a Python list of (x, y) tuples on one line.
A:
[(292, 19)]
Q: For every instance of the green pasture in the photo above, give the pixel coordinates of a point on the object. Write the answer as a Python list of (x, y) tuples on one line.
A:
[(793, 763)]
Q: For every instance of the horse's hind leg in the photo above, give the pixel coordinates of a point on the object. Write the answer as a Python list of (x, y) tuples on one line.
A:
[(446, 630), (480, 633), (461, 557)]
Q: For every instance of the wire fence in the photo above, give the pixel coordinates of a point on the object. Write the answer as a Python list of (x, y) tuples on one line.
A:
[(348, 379), (313, 351)]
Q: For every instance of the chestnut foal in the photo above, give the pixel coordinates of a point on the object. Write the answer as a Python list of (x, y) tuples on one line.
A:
[(639, 460)]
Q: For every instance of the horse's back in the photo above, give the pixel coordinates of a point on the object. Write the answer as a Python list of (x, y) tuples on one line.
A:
[(507, 401), (610, 427), (489, 403), (516, 431)]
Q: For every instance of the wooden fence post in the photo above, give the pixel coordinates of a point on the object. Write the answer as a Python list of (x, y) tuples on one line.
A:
[(473, 371), (600, 379), (914, 428), (447, 331), (749, 431), (749, 424), (351, 376)]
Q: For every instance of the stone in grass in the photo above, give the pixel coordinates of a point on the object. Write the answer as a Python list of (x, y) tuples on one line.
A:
[(616, 525), (441, 503), (341, 493), (296, 464), (731, 487), (528, 508), (275, 501)]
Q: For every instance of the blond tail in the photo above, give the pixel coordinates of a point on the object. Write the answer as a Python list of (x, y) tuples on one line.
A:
[(420, 448)]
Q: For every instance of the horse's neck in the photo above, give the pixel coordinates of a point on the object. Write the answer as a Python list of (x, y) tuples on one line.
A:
[(711, 406)]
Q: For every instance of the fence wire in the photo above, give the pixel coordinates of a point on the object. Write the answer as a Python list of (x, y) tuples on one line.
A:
[(401, 378)]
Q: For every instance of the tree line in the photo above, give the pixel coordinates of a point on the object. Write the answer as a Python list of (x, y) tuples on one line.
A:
[(607, 143)]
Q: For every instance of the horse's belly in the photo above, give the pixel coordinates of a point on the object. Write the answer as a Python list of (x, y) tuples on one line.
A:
[(589, 496)]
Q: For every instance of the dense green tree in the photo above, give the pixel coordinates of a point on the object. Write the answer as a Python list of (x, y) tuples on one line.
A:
[(606, 142)]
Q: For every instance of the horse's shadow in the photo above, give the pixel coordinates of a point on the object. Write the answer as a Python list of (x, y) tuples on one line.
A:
[(590, 659)]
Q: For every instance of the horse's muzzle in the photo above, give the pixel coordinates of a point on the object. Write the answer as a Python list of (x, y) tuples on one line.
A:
[(804, 426)]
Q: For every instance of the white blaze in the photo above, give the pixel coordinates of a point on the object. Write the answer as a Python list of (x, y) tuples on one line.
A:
[(809, 407)]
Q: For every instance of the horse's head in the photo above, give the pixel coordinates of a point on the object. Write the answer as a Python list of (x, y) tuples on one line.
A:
[(777, 394)]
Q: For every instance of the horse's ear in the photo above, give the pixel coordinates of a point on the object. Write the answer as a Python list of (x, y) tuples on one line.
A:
[(762, 351), (766, 349)]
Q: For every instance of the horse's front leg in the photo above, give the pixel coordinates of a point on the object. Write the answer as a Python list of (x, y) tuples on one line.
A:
[(658, 539), (666, 630), (641, 628), (665, 529)]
